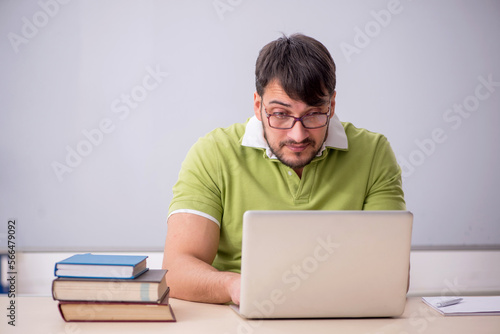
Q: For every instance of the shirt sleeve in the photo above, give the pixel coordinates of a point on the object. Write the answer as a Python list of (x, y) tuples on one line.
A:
[(197, 188), (385, 188)]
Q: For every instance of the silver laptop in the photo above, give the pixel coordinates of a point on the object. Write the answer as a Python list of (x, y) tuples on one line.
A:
[(324, 264)]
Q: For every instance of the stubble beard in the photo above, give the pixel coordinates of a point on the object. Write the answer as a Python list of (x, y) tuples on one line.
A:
[(302, 158)]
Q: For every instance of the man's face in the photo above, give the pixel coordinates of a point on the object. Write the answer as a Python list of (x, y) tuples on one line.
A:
[(295, 147)]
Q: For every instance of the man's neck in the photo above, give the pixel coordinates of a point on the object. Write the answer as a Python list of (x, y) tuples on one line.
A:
[(299, 171)]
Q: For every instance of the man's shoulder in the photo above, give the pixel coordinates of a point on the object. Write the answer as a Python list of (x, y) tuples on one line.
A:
[(232, 133), (221, 139), (361, 136)]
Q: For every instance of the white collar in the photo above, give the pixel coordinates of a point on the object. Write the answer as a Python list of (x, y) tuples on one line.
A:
[(254, 136)]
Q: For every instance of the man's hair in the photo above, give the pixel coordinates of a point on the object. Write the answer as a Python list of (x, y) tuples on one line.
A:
[(301, 65)]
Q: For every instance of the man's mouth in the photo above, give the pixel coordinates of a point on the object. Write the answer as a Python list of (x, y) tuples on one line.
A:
[(297, 147)]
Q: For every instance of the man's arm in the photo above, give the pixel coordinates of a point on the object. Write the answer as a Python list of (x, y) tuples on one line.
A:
[(385, 189), (190, 249)]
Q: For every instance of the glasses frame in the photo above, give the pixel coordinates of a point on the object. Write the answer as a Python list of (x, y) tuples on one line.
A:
[(295, 119)]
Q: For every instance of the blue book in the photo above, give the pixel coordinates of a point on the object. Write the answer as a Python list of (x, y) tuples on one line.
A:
[(4, 284), (101, 266)]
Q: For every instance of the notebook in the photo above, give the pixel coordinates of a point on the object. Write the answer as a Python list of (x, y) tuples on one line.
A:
[(324, 264)]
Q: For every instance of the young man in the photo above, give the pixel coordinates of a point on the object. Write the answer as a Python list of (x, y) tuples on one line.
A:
[(294, 154)]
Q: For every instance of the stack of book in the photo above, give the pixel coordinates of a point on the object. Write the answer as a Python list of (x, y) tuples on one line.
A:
[(92, 287)]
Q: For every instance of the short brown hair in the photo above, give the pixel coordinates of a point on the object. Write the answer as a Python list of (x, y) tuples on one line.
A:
[(302, 65)]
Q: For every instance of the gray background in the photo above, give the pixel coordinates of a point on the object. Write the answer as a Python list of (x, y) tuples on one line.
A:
[(405, 69)]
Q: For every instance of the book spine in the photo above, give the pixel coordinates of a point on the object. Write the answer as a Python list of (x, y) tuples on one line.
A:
[(54, 290), (61, 311)]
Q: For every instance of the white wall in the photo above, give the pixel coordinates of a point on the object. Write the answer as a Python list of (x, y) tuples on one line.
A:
[(100, 101)]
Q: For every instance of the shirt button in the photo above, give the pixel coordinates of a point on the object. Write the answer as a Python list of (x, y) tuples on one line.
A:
[(290, 173)]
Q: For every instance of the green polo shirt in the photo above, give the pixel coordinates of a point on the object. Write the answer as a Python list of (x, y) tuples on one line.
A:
[(230, 171)]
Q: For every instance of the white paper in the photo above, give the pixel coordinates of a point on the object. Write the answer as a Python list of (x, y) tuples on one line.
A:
[(484, 305)]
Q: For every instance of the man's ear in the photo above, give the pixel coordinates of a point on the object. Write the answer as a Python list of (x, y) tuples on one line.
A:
[(257, 100), (332, 104)]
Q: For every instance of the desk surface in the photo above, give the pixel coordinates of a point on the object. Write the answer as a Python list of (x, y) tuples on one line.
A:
[(41, 315)]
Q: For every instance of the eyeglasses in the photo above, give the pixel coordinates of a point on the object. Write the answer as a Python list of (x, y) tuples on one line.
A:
[(282, 121)]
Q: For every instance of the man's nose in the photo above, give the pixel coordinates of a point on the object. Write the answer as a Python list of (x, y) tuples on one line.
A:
[(298, 133)]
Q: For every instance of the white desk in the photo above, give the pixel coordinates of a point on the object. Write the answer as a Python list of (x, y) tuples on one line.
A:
[(41, 315)]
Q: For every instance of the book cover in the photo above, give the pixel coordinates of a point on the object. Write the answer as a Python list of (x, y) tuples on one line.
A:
[(148, 287), (82, 311), (101, 266)]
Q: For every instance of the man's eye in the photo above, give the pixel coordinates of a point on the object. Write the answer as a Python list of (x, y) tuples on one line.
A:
[(314, 114), (280, 114)]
